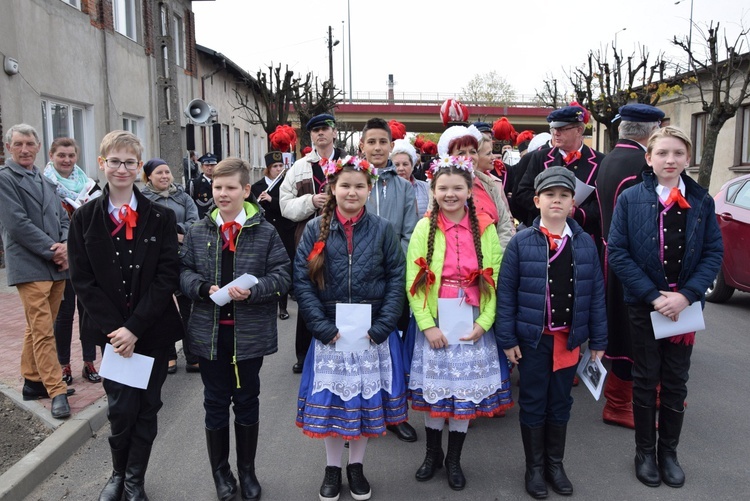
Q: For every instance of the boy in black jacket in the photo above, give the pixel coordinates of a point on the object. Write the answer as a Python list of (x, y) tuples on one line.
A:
[(124, 268)]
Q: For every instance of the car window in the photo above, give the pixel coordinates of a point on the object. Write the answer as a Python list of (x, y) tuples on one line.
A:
[(732, 191), (743, 196)]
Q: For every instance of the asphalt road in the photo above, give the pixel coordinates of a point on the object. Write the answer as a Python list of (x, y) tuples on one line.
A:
[(599, 458)]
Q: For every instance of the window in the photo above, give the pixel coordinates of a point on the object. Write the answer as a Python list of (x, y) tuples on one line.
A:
[(743, 143), (699, 134), (224, 141), (256, 159), (61, 119), (74, 3), (177, 40), (743, 196), (237, 148), (132, 124), (247, 146), (124, 13)]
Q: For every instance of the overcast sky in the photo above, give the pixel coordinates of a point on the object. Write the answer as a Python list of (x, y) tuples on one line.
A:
[(430, 47)]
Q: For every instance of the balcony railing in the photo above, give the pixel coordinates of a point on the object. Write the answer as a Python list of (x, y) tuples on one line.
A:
[(431, 99)]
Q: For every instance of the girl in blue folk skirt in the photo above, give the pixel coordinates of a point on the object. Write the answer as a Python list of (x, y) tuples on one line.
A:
[(347, 255), (453, 254)]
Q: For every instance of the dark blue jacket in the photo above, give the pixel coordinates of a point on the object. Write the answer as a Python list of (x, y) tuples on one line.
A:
[(633, 244), (374, 274), (522, 291)]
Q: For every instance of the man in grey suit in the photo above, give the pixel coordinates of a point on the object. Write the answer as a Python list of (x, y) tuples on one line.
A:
[(35, 229)]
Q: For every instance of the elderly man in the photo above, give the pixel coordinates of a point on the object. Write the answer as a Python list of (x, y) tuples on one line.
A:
[(302, 195), (566, 126), (35, 229), (619, 170)]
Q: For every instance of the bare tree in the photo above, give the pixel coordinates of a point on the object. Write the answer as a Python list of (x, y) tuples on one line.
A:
[(550, 95), (314, 99), (722, 77), (603, 85), (489, 89)]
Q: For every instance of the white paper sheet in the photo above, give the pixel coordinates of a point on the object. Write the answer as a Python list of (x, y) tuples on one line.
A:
[(583, 191), (689, 320), (353, 321), (221, 296), (592, 374), (456, 319), (134, 371)]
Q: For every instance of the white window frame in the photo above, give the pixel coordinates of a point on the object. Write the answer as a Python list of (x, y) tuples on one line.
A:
[(78, 128), (178, 36), (699, 136), (132, 123), (744, 124), (256, 151), (237, 143), (73, 3), (247, 146), (124, 12), (224, 141)]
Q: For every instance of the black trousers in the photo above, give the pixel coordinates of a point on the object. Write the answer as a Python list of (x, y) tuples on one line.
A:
[(221, 387), (132, 411), (544, 395), (657, 361), (302, 339), (64, 328)]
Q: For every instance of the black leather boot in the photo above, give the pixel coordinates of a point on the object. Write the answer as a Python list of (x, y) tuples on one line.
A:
[(217, 442), (247, 444), (554, 452), (456, 479), (434, 457), (116, 483), (533, 447), (646, 470), (135, 472), (670, 427)]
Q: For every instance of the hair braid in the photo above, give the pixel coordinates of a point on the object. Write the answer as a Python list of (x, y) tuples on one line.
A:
[(316, 266)]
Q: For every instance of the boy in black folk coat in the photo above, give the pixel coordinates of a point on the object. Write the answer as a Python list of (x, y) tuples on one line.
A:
[(124, 267)]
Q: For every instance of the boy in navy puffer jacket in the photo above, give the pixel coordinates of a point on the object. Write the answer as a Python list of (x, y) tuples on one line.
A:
[(550, 301)]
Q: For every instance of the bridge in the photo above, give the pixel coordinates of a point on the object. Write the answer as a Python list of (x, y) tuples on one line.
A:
[(420, 112)]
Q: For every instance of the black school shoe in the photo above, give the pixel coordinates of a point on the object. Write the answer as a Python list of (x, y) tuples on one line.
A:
[(33, 390), (331, 487), (359, 487)]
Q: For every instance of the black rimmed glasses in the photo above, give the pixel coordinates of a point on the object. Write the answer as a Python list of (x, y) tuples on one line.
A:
[(116, 163), (563, 129)]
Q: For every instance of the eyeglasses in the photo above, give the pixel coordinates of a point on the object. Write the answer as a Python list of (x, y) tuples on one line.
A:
[(116, 163), (563, 129)]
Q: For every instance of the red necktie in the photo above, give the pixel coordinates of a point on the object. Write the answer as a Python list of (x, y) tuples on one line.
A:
[(676, 196), (551, 237), (129, 217), (572, 157), (229, 232)]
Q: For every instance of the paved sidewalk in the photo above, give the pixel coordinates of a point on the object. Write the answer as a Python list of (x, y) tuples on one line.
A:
[(87, 404)]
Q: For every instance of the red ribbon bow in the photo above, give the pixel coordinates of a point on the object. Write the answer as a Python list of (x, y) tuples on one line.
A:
[(130, 218), (317, 249), (424, 269), (498, 166), (229, 232), (551, 237), (486, 273), (676, 196), (572, 157)]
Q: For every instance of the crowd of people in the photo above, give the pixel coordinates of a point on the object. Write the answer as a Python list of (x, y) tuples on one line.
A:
[(423, 279)]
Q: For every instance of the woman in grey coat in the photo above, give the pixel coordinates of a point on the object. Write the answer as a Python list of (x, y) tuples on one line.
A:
[(160, 188)]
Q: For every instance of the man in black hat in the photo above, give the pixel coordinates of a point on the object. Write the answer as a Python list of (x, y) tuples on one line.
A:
[(200, 187), (621, 169), (566, 126), (303, 194)]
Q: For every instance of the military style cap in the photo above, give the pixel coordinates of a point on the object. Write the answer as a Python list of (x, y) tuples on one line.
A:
[(554, 177)]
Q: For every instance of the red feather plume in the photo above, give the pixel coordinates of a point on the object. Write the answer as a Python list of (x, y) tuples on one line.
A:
[(526, 135), (429, 148), (306, 150), (503, 130), (283, 138), (398, 130), (586, 113), (419, 143)]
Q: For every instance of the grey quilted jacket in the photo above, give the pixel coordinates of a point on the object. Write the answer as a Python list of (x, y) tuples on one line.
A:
[(260, 253), (373, 274)]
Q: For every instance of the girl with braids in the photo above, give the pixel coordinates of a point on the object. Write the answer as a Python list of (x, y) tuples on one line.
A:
[(348, 256), (453, 254)]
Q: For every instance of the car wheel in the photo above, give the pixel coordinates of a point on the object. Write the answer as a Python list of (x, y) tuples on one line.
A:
[(719, 291)]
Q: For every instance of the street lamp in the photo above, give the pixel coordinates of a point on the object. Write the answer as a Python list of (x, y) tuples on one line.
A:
[(616, 32), (690, 31)]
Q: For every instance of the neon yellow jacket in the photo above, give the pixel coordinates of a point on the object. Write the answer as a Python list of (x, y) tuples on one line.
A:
[(425, 316)]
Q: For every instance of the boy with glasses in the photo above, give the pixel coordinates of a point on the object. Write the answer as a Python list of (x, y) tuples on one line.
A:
[(124, 269)]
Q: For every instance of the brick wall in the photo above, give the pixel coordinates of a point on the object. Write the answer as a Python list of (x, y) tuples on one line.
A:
[(148, 27)]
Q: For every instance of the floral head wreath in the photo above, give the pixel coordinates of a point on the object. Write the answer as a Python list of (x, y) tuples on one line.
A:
[(331, 167), (447, 161)]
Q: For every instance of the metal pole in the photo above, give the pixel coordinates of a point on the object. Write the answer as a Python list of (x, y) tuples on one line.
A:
[(349, 27), (343, 62), (330, 59)]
